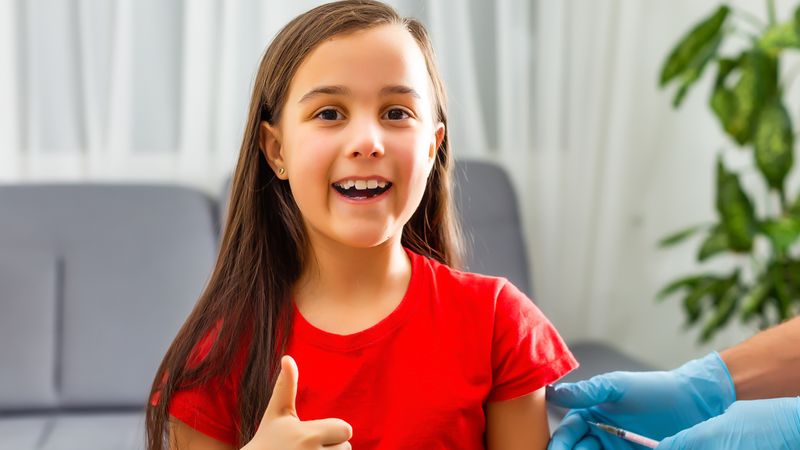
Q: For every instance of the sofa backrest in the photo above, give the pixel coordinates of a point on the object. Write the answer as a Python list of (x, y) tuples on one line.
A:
[(487, 204), (95, 280)]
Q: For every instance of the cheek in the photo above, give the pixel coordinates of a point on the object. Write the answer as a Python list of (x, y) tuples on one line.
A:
[(309, 159), (309, 151), (414, 163)]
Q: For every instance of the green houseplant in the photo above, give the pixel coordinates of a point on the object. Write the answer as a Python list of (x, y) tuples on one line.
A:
[(747, 97)]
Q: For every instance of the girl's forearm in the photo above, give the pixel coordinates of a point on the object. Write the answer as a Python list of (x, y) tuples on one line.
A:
[(768, 364)]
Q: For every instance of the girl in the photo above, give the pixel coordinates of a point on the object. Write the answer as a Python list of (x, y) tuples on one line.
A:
[(338, 250)]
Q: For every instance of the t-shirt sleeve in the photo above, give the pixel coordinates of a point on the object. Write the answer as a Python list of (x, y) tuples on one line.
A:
[(527, 351), (207, 409), (210, 407)]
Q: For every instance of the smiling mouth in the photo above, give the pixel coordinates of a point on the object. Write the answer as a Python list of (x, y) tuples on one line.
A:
[(353, 192)]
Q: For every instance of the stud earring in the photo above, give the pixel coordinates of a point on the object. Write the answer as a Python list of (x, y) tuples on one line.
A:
[(281, 171)]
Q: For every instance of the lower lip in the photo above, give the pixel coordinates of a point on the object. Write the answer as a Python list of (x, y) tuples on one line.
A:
[(365, 201)]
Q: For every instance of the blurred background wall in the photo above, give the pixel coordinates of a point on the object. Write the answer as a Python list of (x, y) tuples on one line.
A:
[(561, 93)]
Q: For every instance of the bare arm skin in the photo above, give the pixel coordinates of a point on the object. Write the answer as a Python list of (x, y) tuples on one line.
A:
[(517, 424), (768, 364), (184, 437)]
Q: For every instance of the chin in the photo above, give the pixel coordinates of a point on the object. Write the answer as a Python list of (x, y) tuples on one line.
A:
[(363, 237)]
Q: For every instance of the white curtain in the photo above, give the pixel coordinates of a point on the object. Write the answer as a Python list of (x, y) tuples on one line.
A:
[(612, 168), (562, 93)]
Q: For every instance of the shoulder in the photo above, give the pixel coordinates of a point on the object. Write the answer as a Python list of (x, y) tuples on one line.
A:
[(464, 286), (223, 358)]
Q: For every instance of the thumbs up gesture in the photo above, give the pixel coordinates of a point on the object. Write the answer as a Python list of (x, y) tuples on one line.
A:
[(281, 429)]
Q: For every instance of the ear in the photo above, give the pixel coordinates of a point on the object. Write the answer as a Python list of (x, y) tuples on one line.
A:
[(438, 137), (269, 141)]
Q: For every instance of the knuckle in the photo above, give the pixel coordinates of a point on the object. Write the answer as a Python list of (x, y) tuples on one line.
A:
[(309, 440)]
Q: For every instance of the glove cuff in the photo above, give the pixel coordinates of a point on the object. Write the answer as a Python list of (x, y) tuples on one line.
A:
[(711, 382), (729, 387)]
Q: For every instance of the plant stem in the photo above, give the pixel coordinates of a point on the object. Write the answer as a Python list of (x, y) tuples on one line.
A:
[(771, 12), (784, 206)]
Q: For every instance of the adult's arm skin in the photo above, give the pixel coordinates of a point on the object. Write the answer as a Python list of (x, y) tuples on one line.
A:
[(767, 365)]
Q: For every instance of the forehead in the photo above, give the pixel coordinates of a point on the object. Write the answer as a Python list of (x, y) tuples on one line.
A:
[(364, 61)]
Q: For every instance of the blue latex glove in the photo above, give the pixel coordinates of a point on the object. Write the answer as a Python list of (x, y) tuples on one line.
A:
[(772, 424), (653, 404)]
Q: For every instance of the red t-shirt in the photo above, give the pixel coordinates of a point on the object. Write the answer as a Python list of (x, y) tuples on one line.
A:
[(420, 378)]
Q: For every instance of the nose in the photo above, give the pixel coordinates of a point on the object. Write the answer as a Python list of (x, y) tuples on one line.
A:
[(366, 141)]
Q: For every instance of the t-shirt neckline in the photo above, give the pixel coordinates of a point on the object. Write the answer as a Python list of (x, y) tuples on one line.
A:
[(306, 332)]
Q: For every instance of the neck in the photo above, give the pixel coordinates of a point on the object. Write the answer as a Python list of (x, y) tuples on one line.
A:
[(339, 274)]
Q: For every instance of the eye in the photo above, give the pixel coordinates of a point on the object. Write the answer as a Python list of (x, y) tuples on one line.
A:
[(397, 114), (330, 114)]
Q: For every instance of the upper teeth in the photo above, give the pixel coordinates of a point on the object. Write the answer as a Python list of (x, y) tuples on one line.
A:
[(362, 184)]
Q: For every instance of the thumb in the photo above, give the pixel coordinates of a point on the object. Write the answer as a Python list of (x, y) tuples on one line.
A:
[(583, 394), (283, 394)]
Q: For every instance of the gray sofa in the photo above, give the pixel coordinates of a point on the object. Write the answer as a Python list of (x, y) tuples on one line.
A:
[(95, 279)]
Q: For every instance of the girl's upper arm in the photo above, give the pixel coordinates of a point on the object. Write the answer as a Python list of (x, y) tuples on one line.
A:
[(519, 423), (184, 437)]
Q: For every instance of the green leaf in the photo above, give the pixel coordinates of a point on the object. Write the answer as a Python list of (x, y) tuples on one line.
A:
[(679, 236), (716, 242), (784, 35), (794, 208), (738, 107), (684, 282), (693, 302), (786, 286), (774, 141), (735, 210), (724, 67), (693, 307), (723, 102), (754, 300), (696, 67), (782, 232), (687, 50), (780, 36), (725, 305)]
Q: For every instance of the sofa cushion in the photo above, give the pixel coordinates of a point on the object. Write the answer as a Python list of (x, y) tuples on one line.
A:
[(23, 433), (28, 308), (117, 431)]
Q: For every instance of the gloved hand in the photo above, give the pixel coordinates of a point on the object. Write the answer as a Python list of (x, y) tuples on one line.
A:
[(773, 424), (653, 404)]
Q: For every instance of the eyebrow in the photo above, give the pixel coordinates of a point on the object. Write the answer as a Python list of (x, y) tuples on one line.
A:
[(342, 90)]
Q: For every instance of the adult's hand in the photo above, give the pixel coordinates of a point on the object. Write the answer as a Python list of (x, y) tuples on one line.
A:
[(773, 424), (653, 404)]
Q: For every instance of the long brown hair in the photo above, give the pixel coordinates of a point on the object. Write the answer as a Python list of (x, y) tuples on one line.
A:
[(264, 241)]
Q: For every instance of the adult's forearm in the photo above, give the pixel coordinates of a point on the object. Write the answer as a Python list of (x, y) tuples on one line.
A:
[(768, 364)]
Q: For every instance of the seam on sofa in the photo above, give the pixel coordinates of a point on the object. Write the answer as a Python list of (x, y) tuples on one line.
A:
[(59, 328), (47, 430)]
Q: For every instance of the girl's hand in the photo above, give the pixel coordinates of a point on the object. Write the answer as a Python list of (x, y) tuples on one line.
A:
[(281, 429)]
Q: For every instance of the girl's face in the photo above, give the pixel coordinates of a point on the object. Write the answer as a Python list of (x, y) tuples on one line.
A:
[(357, 137)]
